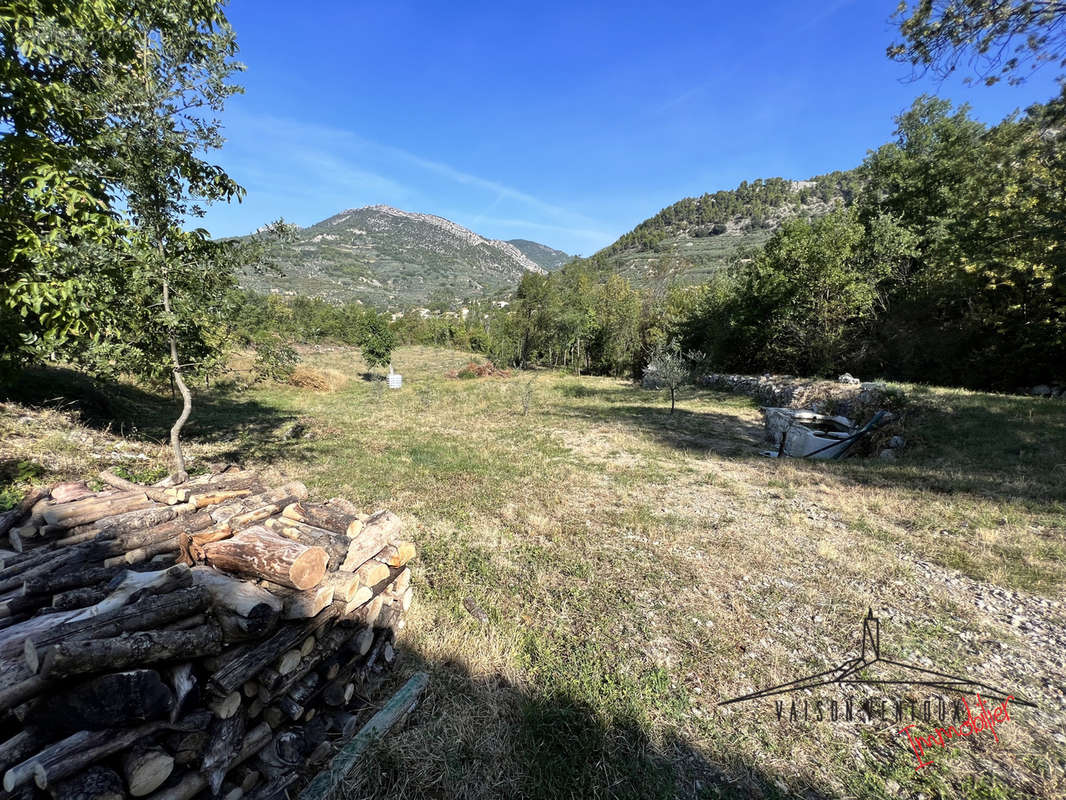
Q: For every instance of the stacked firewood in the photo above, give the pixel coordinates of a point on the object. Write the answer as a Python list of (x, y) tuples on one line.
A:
[(216, 638)]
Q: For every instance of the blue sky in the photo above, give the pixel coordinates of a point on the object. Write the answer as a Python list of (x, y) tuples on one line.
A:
[(564, 123)]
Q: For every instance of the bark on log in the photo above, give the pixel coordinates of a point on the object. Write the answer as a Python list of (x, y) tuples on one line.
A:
[(183, 682), (21, 746), (70, 491), (149, 612), (379, 530), (107, 701), (262, 554), (111, 479), (82, 512), (331, 519), (96, 783), (132, 649), (280, 497), (79, 598), (9, 518), (72, 754), (146, 769), (336, 547), (247, 663), (194, 782), (241, 597), (223, 749), (52, 582)]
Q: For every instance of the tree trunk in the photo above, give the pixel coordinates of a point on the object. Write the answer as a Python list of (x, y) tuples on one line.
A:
[(107, 701), (180, 475)]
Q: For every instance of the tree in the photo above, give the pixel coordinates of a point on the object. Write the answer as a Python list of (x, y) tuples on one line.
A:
[(57, 62), (995, 38), (107, 106), (378, 341), (179, 82), (667, 367)]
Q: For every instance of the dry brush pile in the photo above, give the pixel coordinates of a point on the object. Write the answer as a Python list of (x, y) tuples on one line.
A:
[(210, 639)]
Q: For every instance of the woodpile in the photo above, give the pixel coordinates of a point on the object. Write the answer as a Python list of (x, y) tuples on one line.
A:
[(213, 639)]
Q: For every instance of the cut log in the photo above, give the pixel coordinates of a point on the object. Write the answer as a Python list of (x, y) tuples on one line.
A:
[(146, 769), (133, 584), (25, 505), (288, 662), (111, 479), (279, 497), (106, 701), (53, 582), (150, 612), (74, 753), (82, 512), (331, 519), (21, 746), (373, 572), (301, 604), (379, 530), (260, 553), (223, 749), (336, 546), (227, 706), (132, 649), (211, 498), (345, 585), (194, 782), (397, 554), (247, 663), (187, 748), (96, 783), (253, 603)]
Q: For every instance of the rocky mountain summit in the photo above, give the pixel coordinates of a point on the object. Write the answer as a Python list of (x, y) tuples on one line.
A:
[(392, 258)]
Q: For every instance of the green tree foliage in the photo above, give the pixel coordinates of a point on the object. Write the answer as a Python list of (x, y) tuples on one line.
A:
[(110, 110), (378, 341), (667, 367), (983, 301), (797, 305), (994, 39)]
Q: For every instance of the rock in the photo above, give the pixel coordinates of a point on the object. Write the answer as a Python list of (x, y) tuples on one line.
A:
[(1041, 390), (848, 379), (888, 455), (896, 442)]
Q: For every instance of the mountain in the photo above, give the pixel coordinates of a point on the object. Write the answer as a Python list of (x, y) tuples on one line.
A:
[(540, 254), (697, 236), (390, 258)]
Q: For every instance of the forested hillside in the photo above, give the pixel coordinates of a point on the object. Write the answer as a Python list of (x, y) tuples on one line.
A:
[(390, 258), (939, 259), (696, 237)]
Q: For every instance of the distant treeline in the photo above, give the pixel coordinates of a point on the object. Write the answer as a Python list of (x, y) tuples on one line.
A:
[(942, 261)]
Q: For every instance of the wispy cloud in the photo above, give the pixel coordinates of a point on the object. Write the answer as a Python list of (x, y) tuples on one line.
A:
[(334, 156)]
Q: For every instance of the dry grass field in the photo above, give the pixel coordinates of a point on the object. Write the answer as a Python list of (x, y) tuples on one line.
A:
[(637, 568)]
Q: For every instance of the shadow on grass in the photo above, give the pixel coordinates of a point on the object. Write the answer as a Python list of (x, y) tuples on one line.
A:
[(222, 415), (995, 447), (484, 737)]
